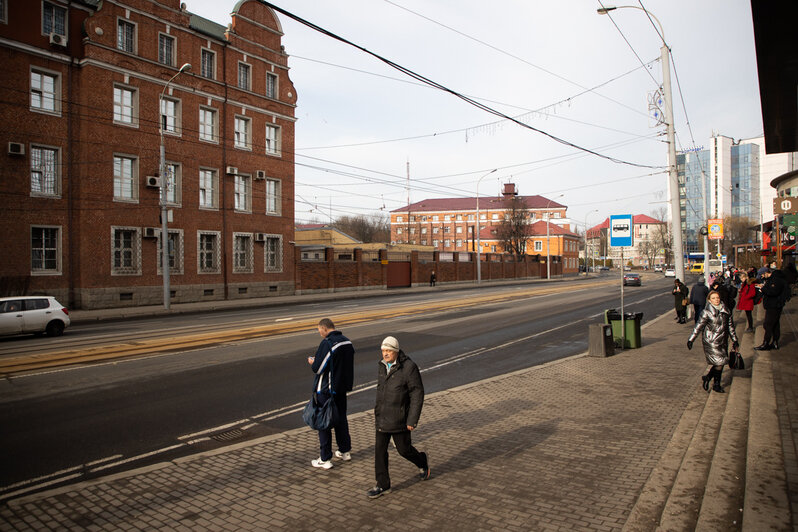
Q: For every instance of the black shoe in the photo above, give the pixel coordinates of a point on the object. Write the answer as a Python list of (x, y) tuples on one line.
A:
[(424, 472), (763, 347), (775, 345), (718, 388), (749, 329), (377, 491), (706, 378)]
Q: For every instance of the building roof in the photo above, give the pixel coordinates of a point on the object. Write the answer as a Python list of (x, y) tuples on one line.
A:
[(322, 235), (535, 229), (208, 27), (637, 219), (470, 204)]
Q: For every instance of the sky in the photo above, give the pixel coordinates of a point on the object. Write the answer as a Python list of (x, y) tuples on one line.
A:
[(559, 67)]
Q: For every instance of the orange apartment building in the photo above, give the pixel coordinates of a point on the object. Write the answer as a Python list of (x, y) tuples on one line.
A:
[(85, 105), (448, 224)]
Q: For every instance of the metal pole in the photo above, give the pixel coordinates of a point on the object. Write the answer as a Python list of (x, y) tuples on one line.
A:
[(164, 191), (623, 316), (476, 229)]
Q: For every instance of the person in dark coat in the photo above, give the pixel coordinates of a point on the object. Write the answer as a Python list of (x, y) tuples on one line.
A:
[(432, 278), (775, 293), (680, 293), (334, 368), (717, 325), (400, 396), (698, 297)]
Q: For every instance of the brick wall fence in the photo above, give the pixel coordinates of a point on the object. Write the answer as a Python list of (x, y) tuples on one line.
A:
[(355, 270)]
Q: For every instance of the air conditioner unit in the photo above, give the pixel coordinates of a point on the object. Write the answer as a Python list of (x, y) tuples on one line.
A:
[(153, 181), (58, 39), (260, 175), (260, 237), (16, 148), (152, 232), (232, 170)]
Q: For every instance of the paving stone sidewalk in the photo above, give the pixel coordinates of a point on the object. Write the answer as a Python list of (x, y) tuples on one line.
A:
[(565, 446)]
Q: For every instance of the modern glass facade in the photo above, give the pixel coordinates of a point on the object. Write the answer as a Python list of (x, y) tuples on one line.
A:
[(745, 181), (694, 190)]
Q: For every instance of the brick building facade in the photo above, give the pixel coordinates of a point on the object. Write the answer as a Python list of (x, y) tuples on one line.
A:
[(85, 106)]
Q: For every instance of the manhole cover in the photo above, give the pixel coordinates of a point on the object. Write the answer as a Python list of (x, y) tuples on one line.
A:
[(229, 435)]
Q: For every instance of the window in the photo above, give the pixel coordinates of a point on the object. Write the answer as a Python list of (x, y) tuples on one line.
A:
[(458, 229), (243, 135), (174, 183), (244, 76), (45, 253), (423, 230), (208, 64), (242, 193), (435, 218), (273, 140), (175, 252), (271, 85), (208, 252), (399, 218), (399, 231), (125, 178), (273, 196), (434, 230), (447, 229), (53, 19), (242, 253), (44, 171), (446, 218), (125, 105), (126, 36), (170, 115), (166, 49), (45, 91), (273, 253), (494, 216), (538, 245), (208, 124), (208, 187), (125, 251)]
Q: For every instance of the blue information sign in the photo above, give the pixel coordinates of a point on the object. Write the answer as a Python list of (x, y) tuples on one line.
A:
[(621, 231)]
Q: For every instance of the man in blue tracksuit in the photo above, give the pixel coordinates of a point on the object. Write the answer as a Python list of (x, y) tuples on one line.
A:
[(334, 369)]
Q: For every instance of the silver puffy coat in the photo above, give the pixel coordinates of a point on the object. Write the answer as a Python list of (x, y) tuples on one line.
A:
[(718, 327)]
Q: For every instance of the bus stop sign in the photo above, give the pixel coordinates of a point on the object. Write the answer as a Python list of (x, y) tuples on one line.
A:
[(621, 231)]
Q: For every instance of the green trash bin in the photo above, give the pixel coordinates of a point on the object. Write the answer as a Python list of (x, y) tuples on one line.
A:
[(632, 322)]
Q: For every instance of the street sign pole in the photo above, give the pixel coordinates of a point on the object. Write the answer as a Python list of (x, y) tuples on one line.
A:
[(622, 235), (623, 315)]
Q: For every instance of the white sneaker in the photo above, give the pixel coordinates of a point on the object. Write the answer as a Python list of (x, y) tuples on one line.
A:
[(318, 462), (343, 456)]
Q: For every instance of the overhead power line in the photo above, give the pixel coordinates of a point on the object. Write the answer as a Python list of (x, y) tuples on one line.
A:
[(443, 88)]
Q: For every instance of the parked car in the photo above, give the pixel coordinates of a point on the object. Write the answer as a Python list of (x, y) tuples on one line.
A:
[(670, 272), (658, 268), (632, 279), (32, 314)]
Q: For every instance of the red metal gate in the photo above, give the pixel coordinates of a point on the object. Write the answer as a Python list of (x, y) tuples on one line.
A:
[(398, 274)]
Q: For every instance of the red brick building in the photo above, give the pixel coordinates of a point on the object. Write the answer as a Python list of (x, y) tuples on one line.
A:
[(556, 242), (85, 105)]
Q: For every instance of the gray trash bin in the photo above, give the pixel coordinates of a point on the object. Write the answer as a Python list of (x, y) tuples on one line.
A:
[(601, 342)]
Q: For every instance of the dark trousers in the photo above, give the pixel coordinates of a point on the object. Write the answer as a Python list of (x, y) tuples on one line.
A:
[(341, 430), (405, 449), (697, 310), (771, 325), (749, 315)]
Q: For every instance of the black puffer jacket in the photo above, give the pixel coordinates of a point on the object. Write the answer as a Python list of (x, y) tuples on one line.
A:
[(400, 395), (775, 291)]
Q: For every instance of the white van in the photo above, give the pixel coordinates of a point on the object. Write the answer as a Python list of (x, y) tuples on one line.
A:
[(32, 314)]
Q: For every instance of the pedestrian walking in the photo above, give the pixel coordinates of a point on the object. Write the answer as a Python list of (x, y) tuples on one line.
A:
[(400, 396), (334, 369), (747, 301), (698, 297), (432, 278), (775, 294), (717, 325), (680, 293)]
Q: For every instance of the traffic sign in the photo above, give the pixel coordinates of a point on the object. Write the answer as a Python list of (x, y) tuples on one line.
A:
[(715, 229), (785, 205), (621, 231)]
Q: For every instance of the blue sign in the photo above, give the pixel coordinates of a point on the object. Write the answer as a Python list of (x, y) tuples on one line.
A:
[(621, 230)]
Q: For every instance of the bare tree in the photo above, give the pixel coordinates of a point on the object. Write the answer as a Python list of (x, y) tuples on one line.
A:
[(661, 236), (365, 228), (737, 230), (513, 231)]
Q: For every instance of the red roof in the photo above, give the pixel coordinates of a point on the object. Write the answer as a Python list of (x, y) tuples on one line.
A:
[(638, 219), (470, 204), (535, 229)]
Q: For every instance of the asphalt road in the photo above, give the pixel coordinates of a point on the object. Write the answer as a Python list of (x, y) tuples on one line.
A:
[(65, 424)]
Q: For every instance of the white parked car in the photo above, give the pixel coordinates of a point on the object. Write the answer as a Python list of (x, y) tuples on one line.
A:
[(32, 314), (670, 272)]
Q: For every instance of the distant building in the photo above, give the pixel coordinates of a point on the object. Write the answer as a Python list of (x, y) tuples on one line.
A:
[(729, 178), (448, 224), (558, 242), (85, 106), (646, 251)]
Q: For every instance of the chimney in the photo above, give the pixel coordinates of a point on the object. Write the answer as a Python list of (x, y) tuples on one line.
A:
[(509, 190)]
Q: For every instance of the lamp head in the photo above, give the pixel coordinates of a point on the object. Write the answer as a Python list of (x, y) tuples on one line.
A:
[(185, 67), (605, 10)]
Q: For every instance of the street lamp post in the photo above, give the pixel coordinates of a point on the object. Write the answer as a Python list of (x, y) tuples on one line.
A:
[(673, 177), (548, 247), (479, 260), (164, 191), (587, 270)]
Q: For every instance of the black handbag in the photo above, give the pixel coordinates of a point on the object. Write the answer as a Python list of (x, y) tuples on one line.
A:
[(736, 360), (320, 416)]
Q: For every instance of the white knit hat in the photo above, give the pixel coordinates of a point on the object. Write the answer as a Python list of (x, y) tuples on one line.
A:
[(390, 343)]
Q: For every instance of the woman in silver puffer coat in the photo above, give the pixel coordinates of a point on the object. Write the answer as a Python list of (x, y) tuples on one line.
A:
[(717, 325)]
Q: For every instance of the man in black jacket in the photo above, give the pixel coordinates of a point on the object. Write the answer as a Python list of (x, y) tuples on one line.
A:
[(334, 366), (698, 297), (775, 292), (400, 396)]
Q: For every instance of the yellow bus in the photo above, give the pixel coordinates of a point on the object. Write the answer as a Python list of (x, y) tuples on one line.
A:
[(697, 267)]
